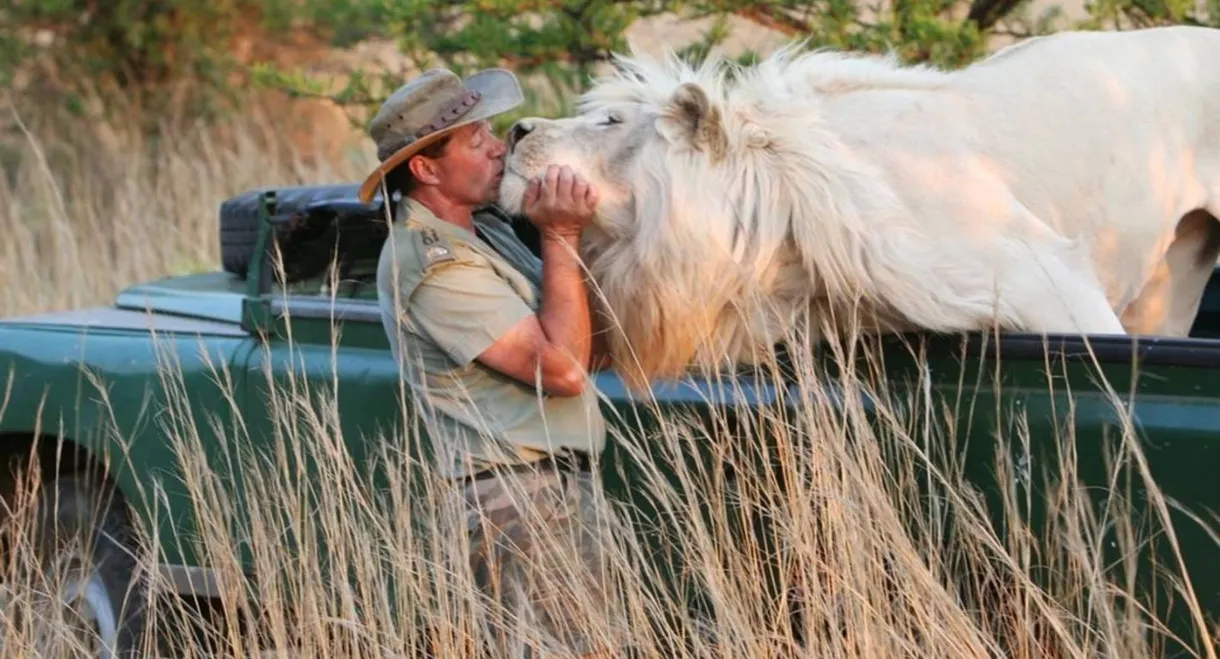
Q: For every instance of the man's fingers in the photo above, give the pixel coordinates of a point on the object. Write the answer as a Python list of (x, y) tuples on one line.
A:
[(549, 184), (580, 187), (591, 197), (563, 188), (560, 195), (531, 193)]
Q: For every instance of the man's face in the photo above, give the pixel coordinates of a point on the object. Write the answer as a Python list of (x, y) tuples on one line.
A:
[(472, 165)]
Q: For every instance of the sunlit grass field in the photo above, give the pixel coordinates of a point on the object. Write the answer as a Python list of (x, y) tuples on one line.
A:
[(877, 546)]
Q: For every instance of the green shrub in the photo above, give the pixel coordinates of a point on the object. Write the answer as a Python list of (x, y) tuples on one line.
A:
[(157, 50)]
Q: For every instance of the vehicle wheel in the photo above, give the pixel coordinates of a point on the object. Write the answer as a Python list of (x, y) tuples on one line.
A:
[(85, 544)]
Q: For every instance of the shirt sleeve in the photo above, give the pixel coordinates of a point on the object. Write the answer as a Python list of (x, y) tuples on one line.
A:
[(464, 308)]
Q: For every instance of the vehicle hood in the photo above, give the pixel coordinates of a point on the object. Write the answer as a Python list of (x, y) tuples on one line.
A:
[(112, 318)]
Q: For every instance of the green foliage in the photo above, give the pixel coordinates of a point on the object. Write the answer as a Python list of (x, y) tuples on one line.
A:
[(150, 47), (916, 30), (559, 42), (1128, 14), (150, 51), (137, 42)]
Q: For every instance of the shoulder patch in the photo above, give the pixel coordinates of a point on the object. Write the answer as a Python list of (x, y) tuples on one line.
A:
[(434, 249)]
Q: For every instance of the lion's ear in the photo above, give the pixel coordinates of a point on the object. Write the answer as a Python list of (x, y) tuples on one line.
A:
[(691, 118)]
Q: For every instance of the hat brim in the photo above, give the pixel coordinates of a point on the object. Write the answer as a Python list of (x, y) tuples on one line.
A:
[(499, 92)]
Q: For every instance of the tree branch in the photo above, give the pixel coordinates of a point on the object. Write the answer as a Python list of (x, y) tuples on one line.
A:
[(986, 13), (775, 19)]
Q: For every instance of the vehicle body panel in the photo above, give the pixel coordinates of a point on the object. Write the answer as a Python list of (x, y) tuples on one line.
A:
[(118, 383), (1050, 391)]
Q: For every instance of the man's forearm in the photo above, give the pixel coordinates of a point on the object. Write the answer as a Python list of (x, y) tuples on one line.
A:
[(564, 312)]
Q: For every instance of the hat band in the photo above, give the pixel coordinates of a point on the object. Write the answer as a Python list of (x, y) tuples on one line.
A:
[(450, 113)]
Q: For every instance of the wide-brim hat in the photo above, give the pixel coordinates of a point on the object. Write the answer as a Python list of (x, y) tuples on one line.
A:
[(431, 106)]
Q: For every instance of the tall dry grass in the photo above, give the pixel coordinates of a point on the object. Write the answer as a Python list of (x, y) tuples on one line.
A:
[(89, 205), (877, 545)]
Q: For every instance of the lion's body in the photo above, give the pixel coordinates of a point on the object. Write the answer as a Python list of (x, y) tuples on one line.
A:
[(1066, 184)]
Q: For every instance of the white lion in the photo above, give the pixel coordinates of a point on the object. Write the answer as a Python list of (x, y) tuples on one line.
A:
[(1068, 184)]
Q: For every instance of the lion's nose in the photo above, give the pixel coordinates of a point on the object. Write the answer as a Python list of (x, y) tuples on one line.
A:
[(518, 131)]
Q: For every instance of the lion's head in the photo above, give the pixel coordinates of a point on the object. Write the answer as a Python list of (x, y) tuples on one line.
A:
[(711, 180)]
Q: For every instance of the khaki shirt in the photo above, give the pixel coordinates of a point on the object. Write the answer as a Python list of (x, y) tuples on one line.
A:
[(455, 297)]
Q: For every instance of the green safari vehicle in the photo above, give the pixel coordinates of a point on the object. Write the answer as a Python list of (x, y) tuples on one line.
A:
[(85, 399)]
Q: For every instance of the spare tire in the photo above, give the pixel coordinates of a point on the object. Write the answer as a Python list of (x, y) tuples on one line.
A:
[(293, 211)]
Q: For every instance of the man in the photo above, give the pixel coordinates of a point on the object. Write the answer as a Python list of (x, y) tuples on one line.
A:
[(495, 344)]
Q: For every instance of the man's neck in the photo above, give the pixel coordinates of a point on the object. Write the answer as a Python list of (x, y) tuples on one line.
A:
[(446, 209)]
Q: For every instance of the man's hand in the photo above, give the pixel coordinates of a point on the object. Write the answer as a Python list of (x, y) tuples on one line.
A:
[(560, 202)]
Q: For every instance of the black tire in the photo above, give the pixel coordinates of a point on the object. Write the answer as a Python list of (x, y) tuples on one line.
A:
[(238, 239), (86, 525)]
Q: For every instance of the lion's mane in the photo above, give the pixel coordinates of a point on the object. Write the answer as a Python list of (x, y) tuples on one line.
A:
[(751, 215)]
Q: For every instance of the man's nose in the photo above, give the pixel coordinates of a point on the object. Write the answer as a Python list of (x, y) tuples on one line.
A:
[(518, 131)]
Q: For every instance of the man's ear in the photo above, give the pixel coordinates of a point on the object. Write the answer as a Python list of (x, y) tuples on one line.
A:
[(690, 118), (423, 170)]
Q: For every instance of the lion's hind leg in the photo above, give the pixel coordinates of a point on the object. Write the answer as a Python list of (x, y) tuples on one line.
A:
[(1168, 303), (1072, 306), (1054, 291)]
